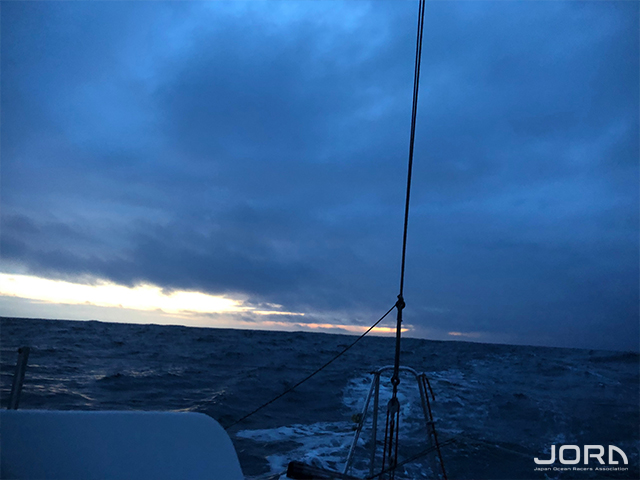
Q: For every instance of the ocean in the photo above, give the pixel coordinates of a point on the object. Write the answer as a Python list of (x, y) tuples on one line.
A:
[(500, 405)]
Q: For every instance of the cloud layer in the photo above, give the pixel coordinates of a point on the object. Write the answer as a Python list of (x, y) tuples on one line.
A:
[(260, 150)]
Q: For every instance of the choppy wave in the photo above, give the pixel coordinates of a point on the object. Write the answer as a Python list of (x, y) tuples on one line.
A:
[(502, 405)]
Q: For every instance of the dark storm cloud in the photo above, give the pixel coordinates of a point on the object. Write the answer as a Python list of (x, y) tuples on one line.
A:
[(245, 148)]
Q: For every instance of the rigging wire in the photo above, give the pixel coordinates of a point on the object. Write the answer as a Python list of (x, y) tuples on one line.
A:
[(318, 370), (414, 114), (393, 408)]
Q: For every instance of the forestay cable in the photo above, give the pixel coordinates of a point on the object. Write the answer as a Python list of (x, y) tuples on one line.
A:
[(393, 408)]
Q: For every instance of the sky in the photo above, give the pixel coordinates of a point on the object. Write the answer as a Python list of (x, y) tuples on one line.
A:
[(244, 165)]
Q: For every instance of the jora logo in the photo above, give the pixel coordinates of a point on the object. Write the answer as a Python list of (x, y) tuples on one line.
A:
[(590, 451)]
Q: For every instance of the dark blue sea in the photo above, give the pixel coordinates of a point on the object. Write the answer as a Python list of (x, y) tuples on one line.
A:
[(499, 405)]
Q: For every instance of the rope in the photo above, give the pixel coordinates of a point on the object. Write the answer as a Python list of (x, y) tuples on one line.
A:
[(312, 374)]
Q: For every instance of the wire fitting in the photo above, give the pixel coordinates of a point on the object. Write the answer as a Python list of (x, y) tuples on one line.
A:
[(400, 303)]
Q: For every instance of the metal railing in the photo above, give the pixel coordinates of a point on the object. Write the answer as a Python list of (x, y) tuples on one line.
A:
[(18, 378), (424, 388)]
